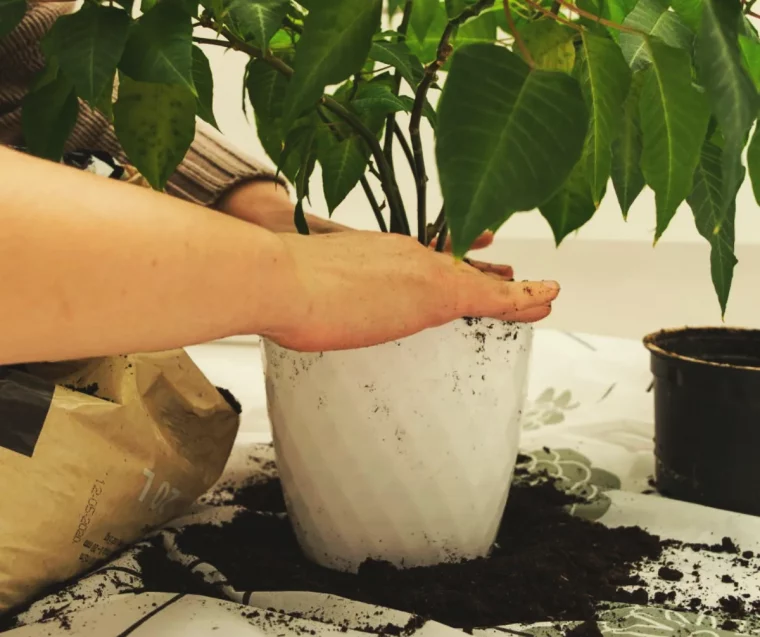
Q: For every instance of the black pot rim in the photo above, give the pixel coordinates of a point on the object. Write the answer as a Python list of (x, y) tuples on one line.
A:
[(653, 342)]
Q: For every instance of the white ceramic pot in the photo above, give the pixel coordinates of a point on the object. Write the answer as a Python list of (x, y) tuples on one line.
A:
[(402, 452)]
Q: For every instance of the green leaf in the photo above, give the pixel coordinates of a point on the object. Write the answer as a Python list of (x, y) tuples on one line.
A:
[(88, 45), (126, 5), (300, 219), (266, 89), (753, 163), (256, 20), (571, 207), (343, 165), (730, 90), (49, 114), (605, 79), (508, 138), (612, 10), (394, 6), (204, 84), (155, 125), (751, 57), (423, 15), (377, 97), (690, 12), (674, 118), (336, 40), (11, 14), (550, 44), (482, 28), (160, 49), (428, 112), (307, 147), (714, 218), (626, 149), (426, 48), (654, 18), (454, 8), (104, 102), (398, 55)]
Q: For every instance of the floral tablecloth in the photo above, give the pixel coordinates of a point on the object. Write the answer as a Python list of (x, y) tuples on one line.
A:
[(589, 422)]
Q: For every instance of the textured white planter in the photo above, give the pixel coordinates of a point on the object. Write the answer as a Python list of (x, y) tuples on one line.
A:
[(402, 452)]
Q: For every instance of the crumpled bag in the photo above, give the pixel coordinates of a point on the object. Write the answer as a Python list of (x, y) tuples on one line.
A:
[(96, 453)]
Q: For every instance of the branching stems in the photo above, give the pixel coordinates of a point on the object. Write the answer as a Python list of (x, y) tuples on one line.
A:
[(595, 18), (388, 180), (376, 208), (390, 121), (516, 35), (445, 50), (406, 148), (373, 204), (552, 15)]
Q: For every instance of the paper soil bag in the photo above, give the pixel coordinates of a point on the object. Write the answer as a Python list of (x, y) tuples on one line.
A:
[(85, 471)]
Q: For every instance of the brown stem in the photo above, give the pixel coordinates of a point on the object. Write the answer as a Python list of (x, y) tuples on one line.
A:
[(440, 244), (376, 209), (445, 50), (390, 121), (595, 18), (387, 178), (373, 204), (518, 38), (552, 15), (406, 148), (434, 229)]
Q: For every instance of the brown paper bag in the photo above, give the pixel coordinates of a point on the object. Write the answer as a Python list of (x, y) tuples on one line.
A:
[(85, 471)]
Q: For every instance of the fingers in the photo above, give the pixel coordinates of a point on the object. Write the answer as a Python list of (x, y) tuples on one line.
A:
[(483, 241), (525, 301), (532, 315), (502, 271)]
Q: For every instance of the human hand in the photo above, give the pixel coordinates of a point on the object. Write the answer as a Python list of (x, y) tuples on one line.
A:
[(268, 205), (357, 289)]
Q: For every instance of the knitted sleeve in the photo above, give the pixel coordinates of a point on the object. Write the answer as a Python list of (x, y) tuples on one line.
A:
[(211, 167)]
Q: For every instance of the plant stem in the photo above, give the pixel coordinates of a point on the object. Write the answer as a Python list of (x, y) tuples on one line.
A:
[(552, 15), (518, 38), (590, 16), (434, 229), (406, 148), (387, 178), (390, 121), (376, 208), (442, 236), (445, 50), (373, 204)]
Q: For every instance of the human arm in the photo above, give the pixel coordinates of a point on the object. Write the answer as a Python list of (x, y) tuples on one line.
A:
[(92, 267)]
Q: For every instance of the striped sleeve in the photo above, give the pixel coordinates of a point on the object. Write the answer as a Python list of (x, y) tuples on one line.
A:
[(211, 167)]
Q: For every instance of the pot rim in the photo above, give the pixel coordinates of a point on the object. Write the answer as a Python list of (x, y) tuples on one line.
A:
[(651, 344)]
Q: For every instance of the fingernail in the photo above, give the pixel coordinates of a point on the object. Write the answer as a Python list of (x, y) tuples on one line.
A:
[(552, 285)]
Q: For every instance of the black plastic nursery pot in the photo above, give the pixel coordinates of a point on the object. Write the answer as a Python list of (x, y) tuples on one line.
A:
[(707, 416)]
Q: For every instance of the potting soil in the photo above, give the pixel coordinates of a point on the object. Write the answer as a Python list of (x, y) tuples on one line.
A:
[(547, 564)]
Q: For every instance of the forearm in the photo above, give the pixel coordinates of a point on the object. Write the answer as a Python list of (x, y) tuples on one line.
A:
[(90, 267)]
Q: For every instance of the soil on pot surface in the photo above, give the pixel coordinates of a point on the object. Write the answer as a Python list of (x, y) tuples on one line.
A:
[(547, 564)]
